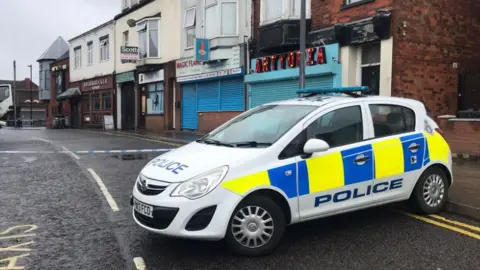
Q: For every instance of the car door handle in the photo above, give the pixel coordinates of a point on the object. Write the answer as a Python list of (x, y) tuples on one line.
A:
[(361, 159), (414, 147)]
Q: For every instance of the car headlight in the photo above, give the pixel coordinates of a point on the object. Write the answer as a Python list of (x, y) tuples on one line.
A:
[(200, 185)]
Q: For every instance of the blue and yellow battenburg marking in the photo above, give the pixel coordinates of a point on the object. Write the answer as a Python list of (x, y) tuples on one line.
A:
[(386, 158)]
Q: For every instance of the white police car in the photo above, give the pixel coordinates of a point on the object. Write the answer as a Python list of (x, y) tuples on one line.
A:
[(292, 161)]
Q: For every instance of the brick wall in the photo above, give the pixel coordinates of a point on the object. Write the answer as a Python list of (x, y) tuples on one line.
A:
[(208, 121), (329, 12), (52, 103), (462, 136), (155, 123), (437, 34)]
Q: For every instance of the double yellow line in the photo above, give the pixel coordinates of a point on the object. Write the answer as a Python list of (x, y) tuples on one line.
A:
[(448, 224)]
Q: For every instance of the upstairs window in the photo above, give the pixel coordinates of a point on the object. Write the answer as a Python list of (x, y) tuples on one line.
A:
[(220, 18), (104, 48), (189, 25), (90, 52), (275, 10), (148, 38), (77, 52), (125, 38)]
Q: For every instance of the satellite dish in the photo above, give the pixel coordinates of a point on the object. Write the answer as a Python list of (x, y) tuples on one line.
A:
[(131, 22)]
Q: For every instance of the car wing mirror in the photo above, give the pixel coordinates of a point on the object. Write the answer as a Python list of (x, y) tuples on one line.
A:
[(314, 146)]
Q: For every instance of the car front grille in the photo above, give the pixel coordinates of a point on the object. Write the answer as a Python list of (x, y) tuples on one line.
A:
[(162, 217), (150, 187)]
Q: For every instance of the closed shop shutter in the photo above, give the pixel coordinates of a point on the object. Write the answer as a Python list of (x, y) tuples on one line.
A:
[(266, 92), (189, 107), (232, 97), (208, 96)]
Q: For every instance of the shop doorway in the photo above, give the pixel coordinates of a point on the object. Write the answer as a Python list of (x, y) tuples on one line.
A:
[(128, 106), (74, 118)]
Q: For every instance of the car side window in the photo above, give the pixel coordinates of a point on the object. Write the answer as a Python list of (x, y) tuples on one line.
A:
[(339, 127), (389, 119)]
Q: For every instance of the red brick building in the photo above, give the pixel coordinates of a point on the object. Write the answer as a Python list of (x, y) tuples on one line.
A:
[(427, 50), (59, 83)]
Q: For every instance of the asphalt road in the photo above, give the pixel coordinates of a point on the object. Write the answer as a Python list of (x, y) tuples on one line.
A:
[(55, 216)]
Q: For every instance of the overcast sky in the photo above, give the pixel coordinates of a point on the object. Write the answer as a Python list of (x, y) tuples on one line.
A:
[(29, 27)]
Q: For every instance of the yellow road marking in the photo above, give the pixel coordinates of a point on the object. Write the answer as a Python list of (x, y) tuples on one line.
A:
[(12, 262), (458, 223), (443, 225)]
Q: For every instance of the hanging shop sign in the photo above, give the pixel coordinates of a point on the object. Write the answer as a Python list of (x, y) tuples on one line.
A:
[(314, 56), (128, 54)]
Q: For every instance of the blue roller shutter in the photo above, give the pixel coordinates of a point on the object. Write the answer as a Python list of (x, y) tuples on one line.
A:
[(266, 92), (232, 97), (208, 96), (189, 107)]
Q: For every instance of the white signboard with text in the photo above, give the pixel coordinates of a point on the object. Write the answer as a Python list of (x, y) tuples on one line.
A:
[(189, 67)]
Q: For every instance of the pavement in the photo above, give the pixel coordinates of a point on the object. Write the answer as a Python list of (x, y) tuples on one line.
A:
[(65, 205)]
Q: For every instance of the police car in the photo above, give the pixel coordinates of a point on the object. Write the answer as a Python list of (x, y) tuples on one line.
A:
[(328, 152)]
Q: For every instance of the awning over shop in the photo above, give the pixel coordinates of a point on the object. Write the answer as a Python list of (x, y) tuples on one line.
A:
[(71, 92)]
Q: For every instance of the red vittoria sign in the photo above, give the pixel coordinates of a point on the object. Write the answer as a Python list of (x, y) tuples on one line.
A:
[(315, 56)]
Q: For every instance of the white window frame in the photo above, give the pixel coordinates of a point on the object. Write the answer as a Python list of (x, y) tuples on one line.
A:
[(190, 26), (218, 4), (125, 38), (359, 64), (125, 4), (90, 53), (77, 59), (287, 12), (104, 46), (349, 2), (147, 29)]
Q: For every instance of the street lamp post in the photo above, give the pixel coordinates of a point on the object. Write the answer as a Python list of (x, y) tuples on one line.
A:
[(303, 34), (31, 95)]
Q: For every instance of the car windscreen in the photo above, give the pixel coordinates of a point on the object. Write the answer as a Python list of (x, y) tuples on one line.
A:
[(259, 127)]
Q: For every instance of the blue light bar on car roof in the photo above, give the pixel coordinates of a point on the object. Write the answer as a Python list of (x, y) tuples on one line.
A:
[(322, 90)]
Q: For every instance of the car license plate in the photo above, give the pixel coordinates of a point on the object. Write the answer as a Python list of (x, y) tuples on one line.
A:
[(144, 209)]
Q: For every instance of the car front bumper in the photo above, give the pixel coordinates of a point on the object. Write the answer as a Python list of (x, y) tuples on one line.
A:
[(205, 218)]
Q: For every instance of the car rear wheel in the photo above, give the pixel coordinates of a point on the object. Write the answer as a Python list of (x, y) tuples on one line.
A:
[(256, 227), (431, 191)]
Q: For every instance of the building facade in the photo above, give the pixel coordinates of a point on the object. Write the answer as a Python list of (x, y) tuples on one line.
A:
[(417, 49), (148, 42), (92, 63), (210, 88), (58, 48), (60, 105)]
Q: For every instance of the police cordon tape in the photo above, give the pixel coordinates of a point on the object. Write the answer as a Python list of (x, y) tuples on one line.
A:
[(90, 151)]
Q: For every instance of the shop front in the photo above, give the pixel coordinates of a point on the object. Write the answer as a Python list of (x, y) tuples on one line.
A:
[(125, 100), (152, 108), (97, 96), (275, 77), (211, 92)]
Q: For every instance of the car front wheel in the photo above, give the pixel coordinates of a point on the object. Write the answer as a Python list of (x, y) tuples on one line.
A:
[(431, 191), (256, 227)]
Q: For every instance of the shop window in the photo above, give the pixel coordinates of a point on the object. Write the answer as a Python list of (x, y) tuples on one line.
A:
[(148, 38), (106, 101), (391, 119), (104, 48), (370, 67), (96, 102), (189, 25), (86, 103), (155, 98), (90, 52)]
